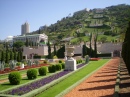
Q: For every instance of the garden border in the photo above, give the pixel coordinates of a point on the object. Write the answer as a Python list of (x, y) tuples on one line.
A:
[(77, 83), (117, 88), (39, 90)]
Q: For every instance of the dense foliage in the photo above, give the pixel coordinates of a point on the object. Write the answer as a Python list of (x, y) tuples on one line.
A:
[(32, 73), (14, 78), (126, 49), (42, 70)]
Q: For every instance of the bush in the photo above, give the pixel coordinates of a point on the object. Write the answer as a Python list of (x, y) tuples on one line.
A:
[(32, 73), (42, 71), (14, 78), (63, 65), (55, 57), (52, 68), (45, 61), (58, 67), (60, 61), (18, 64)]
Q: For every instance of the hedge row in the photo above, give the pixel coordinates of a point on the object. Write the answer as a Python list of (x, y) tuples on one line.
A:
[(15, 77)]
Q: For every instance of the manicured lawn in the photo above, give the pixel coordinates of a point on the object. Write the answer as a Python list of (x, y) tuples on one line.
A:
[(55, 90)]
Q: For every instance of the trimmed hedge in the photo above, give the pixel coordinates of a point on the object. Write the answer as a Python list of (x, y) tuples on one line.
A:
[(32, 73), (63, 65), (58, 67), (104, 55), (42, 71), (14, 78)]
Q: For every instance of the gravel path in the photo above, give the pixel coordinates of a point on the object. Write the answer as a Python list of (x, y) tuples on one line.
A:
[(100, 84)]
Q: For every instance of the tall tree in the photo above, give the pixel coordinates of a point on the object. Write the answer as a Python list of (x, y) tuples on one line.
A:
[(3, 56), (95, 45), (84, 51), (126, 49), (90, 45), (54, 49), (49, 50), (7, 57)]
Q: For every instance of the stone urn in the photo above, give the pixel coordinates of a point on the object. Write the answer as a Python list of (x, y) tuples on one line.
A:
[(70, 63), (70, 51)]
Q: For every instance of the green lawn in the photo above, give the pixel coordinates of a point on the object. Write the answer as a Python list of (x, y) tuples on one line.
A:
[(55, 90)]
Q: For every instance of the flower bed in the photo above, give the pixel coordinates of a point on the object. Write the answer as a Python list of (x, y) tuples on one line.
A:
[(94, 59), (37, 84), (7, 70)]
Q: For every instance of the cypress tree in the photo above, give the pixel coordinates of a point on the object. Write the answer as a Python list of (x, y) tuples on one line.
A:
[(95, 45), (3, 56), (90, 53), (11, 55), (7, 57), (54, 49), (84, 51), (18, 57), (15, 55), (126, 48), (49, 50)]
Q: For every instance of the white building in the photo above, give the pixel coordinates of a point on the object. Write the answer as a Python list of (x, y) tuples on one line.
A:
[(25, 28), (9, 39), (35, 38)]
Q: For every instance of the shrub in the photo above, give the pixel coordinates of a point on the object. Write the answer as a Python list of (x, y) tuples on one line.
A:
[(14, 78), (18, 63), (60, 61), (52, 68), (58, 67), (63, 65), (45, 61), (55, 57), (42, 70), (32, 73)]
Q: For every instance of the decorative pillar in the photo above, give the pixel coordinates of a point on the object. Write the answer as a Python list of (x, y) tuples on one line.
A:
[(111, 54)]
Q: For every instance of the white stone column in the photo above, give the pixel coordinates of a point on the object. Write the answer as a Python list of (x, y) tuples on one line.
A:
[(111, 54)]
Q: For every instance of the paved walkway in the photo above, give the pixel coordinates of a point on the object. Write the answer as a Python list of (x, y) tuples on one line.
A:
[(100, 84)]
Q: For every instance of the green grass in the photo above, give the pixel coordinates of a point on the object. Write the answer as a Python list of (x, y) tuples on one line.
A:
[(24, 80), (55, 90)]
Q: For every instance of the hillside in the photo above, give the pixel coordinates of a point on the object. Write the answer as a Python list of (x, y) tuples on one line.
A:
[(109, 22)]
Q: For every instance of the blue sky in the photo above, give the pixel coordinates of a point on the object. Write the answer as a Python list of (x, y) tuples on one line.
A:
[(13, 13)]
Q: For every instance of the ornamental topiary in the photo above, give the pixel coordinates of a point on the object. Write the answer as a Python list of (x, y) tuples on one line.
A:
[(14, 78), (42, 71), (52, 68), (58, 67), (63, 65), (32, 73)]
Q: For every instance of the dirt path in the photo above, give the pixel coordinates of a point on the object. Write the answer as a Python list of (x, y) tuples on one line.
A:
[(100, 84)]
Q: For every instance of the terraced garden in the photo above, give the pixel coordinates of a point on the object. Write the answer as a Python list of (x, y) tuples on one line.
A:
[(63, 82)]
